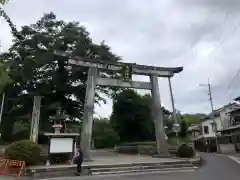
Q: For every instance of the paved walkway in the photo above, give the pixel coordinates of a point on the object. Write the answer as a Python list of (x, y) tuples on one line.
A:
[(117, 159), (217, 167)]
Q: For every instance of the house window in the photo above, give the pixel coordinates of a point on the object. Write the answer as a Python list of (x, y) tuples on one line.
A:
[(205, 129), (237, 119), (214, 127)]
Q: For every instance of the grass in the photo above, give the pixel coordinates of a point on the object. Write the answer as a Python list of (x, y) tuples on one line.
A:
[(177, 140)]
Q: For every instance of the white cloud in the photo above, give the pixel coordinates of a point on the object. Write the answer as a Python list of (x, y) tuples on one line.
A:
[(162, 33)]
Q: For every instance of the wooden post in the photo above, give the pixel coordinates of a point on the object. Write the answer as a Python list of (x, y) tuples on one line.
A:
[(157, 115), (86, 134), (35, 118)]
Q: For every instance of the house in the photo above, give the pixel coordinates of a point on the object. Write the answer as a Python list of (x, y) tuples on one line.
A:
[(194, 131), (230, 136), (210, 127)]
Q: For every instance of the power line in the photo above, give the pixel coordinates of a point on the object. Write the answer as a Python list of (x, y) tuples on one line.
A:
[(203, 24), (238, 72), (232, 81), (222, 41)]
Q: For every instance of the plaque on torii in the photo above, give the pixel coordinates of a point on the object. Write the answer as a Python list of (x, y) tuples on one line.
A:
[(126, 70)]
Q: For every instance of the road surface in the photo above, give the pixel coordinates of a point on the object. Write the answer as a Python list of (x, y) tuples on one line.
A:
[(217, 167)]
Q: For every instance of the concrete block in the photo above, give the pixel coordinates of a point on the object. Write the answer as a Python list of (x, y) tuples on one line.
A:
[(227, 148)]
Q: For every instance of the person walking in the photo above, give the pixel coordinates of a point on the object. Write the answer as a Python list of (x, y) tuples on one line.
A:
[(79, 160)]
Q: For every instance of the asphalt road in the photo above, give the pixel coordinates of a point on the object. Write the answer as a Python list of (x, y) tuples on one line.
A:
[(217, 167)]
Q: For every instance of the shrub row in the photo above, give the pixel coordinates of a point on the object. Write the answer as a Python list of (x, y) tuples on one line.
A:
[(26, 150), (137, 149), (184, 150), (146, 143), (33, 154)]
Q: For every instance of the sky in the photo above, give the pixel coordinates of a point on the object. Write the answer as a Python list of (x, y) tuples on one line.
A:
[(203, 36)]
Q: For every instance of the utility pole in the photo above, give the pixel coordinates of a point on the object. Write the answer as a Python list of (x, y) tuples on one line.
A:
[(3, 99), (208, 85), (210, 95), (174, 115), (1, 110)]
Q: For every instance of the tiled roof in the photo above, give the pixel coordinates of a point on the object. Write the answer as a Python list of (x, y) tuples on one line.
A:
[(216, 112), (194, 127), (231, 127)]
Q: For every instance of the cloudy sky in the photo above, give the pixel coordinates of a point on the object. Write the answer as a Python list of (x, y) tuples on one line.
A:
[(203, 36)]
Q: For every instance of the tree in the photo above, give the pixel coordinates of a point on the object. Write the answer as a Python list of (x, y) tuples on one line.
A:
[(4, 77), (104, 136), (131, 117), (14, 30), (183, 128), (37, 69), (192, 118), (3, 2)]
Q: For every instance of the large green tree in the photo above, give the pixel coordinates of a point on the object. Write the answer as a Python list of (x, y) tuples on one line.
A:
[(4, 77), (37, 68), (183, 128), (192, 118), (103, 135), (132, 118), (3, 1)]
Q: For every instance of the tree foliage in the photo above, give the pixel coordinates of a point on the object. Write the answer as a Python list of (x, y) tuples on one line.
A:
[(5, 80), (183, 128), (27, 151), (37, 68), (192, 118), (4, 1), (14, 30), (103, 135), (131, 117)]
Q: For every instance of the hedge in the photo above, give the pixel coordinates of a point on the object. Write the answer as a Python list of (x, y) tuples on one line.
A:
[(185, 151), (144, 148), (26, 150)]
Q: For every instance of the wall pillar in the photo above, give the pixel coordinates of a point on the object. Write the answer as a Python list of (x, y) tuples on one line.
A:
[(157, 115), (86, 134)]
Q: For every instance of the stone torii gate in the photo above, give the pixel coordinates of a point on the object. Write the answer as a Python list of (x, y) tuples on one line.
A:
[(95, 67)]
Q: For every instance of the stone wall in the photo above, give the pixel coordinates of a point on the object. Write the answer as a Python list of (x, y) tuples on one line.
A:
[(227, 148)]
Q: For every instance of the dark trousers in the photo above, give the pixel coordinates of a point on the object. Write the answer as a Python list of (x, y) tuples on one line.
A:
[(79, 167)]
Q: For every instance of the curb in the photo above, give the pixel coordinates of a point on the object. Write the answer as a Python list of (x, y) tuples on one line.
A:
[(125, 168)]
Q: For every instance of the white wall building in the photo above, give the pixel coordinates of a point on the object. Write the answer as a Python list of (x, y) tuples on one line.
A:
[(207, 131), (221, 118), (207, 127)]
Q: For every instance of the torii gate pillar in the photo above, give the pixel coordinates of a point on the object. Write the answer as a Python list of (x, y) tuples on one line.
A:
[(157, 115), (86, 133)]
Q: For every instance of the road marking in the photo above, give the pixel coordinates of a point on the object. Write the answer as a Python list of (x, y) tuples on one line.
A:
[(123, 174), (236, 159)]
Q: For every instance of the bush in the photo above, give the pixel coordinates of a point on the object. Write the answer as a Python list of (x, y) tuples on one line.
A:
[(127, 149), (104, 135), (144, 143), (147, 150), (26, 150), (107, 139), (137, 149), (185, 151), (20, 135)]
